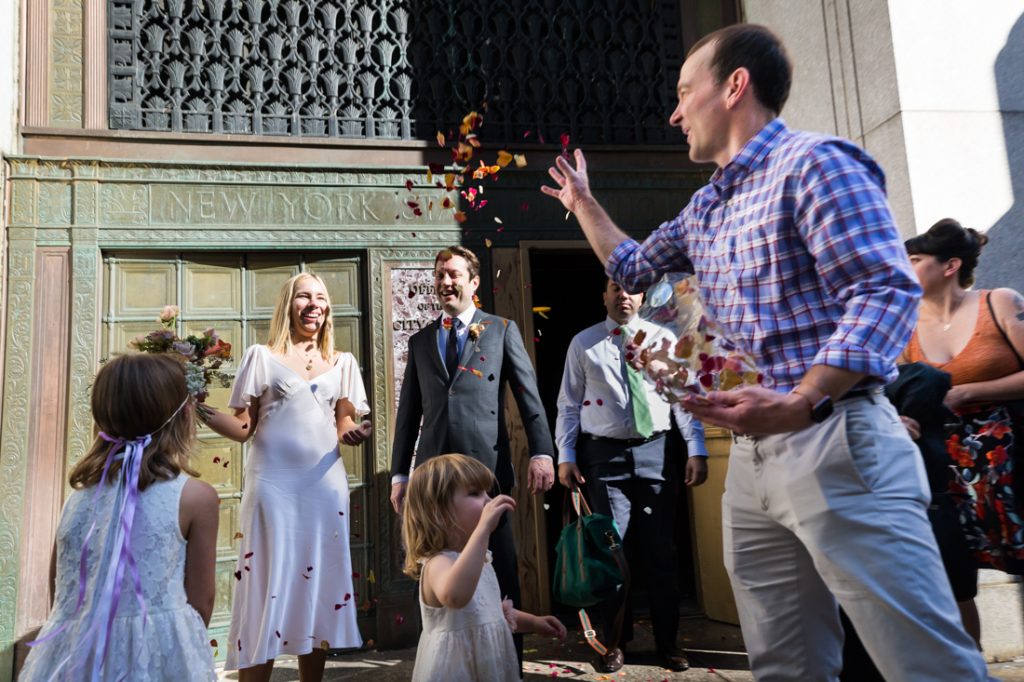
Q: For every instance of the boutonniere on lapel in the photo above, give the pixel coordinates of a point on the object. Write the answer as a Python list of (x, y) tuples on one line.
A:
[(475, 330)]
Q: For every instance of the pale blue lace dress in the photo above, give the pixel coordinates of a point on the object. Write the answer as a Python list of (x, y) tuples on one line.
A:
[(173, 644), (471, 644)]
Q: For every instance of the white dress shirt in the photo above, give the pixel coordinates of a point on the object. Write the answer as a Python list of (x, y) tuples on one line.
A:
[(594, 397), (465, 318)]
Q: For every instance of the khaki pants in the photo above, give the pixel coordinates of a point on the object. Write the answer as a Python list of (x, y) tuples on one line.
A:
[(839, 510)]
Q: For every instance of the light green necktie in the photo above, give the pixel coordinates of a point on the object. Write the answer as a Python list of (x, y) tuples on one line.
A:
[(637, 393)]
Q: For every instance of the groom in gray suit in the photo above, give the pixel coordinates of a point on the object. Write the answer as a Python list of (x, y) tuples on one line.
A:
[(454, 386)]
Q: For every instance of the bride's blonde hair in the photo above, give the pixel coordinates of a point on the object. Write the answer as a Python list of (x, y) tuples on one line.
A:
[(427, 514)]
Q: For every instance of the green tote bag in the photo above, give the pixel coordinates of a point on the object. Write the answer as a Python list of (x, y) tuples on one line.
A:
[(589, 566)]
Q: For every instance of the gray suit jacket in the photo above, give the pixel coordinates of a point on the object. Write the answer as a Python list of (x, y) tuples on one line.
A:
[(467, 414)]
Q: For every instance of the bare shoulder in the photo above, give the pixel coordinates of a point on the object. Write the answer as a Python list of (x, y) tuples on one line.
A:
[(1008, 303), (433, 568), (199, 497)]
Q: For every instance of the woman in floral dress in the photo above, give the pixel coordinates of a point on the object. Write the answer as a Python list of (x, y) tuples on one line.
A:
[(978, 338)]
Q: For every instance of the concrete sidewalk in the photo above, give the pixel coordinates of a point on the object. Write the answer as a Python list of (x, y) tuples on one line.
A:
[(715, 651)]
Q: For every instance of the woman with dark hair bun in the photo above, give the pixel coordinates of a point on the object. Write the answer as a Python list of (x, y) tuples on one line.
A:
[(978, 338)]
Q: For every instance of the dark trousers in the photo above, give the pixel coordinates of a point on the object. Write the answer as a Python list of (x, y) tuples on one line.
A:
[(637, 487), (503, 558)]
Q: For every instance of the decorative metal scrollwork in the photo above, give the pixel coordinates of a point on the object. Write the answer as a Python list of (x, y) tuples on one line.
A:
[(601, 71)]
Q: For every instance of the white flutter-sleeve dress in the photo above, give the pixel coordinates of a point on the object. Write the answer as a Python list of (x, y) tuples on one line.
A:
[(471, 644), (293, 581)]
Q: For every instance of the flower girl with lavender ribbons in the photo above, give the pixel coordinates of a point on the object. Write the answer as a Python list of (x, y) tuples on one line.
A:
[(136, 544)]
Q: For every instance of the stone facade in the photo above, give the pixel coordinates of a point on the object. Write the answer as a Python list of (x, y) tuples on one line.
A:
[(86, 208), (95, 171)]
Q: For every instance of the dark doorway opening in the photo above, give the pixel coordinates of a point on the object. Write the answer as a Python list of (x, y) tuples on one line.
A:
[(571, 281)]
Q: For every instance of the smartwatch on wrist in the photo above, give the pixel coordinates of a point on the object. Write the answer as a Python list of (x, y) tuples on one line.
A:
[(821, 410)]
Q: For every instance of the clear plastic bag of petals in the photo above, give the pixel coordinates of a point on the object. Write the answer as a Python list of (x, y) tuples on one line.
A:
[(702, 357)]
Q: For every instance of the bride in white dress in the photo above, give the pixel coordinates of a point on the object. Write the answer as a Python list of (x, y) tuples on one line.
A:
[(294, 588)]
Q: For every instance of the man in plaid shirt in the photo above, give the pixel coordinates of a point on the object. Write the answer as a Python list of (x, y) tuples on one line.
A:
[(799, 259)]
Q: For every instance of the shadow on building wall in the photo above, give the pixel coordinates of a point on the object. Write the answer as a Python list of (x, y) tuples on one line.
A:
[(1000, 262)]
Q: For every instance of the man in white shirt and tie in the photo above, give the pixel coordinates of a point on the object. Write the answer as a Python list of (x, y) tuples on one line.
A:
[(610, 436)]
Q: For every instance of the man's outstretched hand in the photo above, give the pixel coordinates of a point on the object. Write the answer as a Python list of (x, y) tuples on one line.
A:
[(573, 183), (574, 193)]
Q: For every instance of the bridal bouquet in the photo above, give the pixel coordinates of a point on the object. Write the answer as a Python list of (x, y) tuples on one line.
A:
[(702, 358), (203, 354)]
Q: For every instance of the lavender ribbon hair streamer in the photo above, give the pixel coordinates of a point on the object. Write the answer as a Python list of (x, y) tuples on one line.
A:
[(97, 623)]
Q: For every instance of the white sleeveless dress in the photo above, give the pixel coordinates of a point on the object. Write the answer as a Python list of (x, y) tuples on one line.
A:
[(293, 582), (471, 644), (173, 644)]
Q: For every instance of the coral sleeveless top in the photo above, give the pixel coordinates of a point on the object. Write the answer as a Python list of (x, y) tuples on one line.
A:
[(987, 355)]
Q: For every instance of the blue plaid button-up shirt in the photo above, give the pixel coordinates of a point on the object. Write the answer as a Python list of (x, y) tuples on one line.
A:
[(797, 255)]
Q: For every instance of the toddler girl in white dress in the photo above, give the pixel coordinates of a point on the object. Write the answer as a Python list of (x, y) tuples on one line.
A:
[(447, 520)]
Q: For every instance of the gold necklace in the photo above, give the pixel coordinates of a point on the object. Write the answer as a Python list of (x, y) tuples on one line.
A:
[(309, 359), (952, 314)]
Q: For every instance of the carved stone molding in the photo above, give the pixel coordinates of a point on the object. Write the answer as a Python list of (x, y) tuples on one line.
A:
[(66, 52), (216, 174), (36, 84), (14, 447), (95, 66), (83, 347)]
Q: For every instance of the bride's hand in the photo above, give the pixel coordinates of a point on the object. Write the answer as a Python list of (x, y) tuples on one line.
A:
[(358, 433)]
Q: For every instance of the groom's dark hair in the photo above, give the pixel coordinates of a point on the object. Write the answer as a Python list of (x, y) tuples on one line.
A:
[(471, 260)]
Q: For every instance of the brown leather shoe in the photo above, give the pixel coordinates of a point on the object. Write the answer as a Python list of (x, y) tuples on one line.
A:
[(610, 662), (674, 659)]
